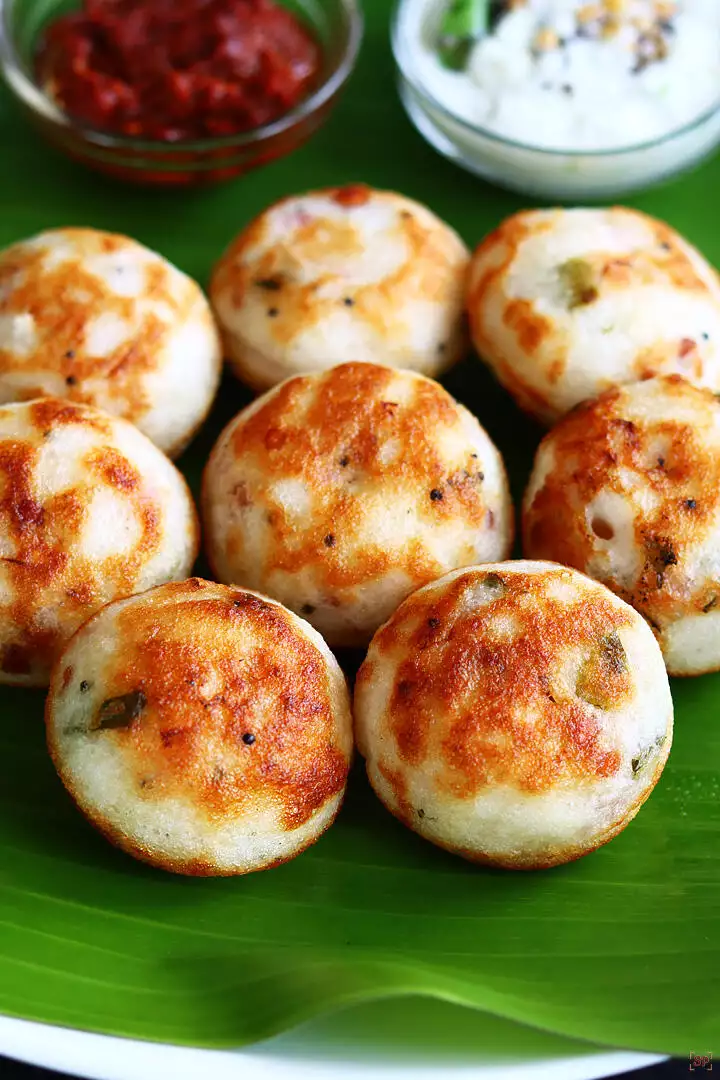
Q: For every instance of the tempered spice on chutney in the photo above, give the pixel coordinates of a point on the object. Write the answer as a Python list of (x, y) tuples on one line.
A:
[(174, 70)]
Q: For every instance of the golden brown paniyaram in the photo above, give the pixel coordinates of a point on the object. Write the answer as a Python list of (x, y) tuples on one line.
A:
[(340, 492), (565, 304), (517, 714), (90, 510), (203, 729), (346, 273), (627, 489), (101, 320)]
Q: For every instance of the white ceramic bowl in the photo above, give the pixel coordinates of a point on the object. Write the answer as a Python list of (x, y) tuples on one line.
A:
[(549, 174)]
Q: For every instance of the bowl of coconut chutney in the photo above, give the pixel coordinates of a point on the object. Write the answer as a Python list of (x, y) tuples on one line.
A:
[(563, 99)]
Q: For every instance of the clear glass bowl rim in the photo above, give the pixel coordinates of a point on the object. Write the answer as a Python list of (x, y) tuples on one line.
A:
[(548, 152), (40, 103)]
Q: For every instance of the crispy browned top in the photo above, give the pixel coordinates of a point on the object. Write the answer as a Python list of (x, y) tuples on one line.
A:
[(63, 296), (505, 689), (657, 446), (222, 700), (43, 568), (543, 330), (271, 261), (345, 436), (490, 264)]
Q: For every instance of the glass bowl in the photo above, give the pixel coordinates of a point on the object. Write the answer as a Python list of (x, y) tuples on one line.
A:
[(337, 24), (531, 170)]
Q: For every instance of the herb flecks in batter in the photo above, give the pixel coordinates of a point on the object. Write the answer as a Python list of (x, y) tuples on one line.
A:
[(602, 679), (495, 584), (639, 762), (579, 281), (660, 555), (120, 712)]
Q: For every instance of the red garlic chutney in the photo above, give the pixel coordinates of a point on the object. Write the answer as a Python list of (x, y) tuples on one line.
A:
[(175, 70)]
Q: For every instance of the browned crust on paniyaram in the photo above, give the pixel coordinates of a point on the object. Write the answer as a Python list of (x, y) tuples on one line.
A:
[(64, 298), (46, 566), (187, 867), (339, 439), (496, 253), (664, 260), (596, 449), (462, 692), (405, 815), (174, 642), (434, 270)]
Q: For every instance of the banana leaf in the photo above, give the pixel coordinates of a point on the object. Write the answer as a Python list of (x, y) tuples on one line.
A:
[(621, 948)]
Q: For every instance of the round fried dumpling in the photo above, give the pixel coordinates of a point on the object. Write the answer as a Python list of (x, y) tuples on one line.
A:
[(340, 492), (90, 510), (349, 272), (100, 319), (203, 729), (627, 489), (564, 304), (516, 714)]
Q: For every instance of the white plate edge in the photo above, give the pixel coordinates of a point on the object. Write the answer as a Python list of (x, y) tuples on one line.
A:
[(105, 1057)]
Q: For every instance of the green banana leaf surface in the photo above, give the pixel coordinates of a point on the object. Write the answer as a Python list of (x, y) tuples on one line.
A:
[(621, 948)]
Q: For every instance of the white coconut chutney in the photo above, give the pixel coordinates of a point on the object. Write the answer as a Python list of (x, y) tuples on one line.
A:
[(565, 75), (564, 99)]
